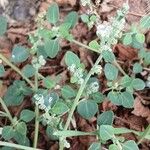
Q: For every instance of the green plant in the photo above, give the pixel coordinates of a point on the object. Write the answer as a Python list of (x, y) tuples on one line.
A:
[(82, 93)]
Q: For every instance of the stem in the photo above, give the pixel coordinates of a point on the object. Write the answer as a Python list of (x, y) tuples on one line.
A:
[(36, 132), (16, 69), (16, 146), (79, 94), (146, 132), (85, 46), (6, 110)]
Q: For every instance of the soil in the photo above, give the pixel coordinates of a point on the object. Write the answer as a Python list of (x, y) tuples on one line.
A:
[(21, 15)]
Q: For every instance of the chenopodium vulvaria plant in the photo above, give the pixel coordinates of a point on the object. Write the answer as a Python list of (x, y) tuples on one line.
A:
[(52, 100)]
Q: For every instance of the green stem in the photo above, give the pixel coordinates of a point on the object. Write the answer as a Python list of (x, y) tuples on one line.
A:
[(36, 132), (6, 110), (145, 133), (79, 94), (16, 69), (12, 145)]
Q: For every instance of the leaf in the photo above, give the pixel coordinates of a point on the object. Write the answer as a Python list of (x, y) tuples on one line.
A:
[(19, 54), (68, 92), (145, 22), (28, 71), (140, 37), (108, 56), (27, 115), (147, 58), (71, 18), (50, 133), (8, 132), (106, 132), (2, 70), (106, 118), (21, 128), (126, 81), (85, 18), (3, 25), (127, 39), (53, 14), (98, 97), (52, 47), (137, 68), (138, 84), (94, 44), (130, 145), (60, 108), (113, 147), (111, 72), (7, 148), (87, 109), (71, 58), (95, 146), (49, 83)]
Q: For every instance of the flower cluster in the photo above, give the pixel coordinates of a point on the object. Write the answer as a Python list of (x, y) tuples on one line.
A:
[(77, 74), (43, 103), (97, 69), (38, 62), (85, 2), (92, 88)]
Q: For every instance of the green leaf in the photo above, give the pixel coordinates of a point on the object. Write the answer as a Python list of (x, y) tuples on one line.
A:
[(130, 145), (138, 84), (71, 18), (60, 108), (111, 72), (106, 118), (95, 146), (87, 109), (140, 37), (114, 98), (145, 22), (127, 39), (2, 70), (94, 45), (85, 18), (126, 81), (8, 132), (106, 132), (21, 128), (3, 25), (108, 56), (98, 97), (50, 131), (27, 115), (53, 14), (147, 58), (49, 83), (19, 54), (7, 148), (52, 47), (113, 147), (28, 70), (137, 68), (71, 58), (68, 92)]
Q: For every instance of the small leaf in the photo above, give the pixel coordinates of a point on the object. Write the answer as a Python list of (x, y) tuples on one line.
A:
[(145, 22), (8, 132), (140, 37), (50, 133), (87, 109), (111, 72), (130, 145), (60, 108), (138, 84), (3, 25), (2, 70), (108, 56), (21, 128), (94, 44), (147, 58), (127, 39), (126, 81), (19, 54), (28, 71), (106, 118), (27, 115), (98, 97), (85, 18), (71, 58), (114, 98), (52, 48), (49, 83), (137, 68), (95, 146), (113, 147), (53, 14), (68, 92), (106, 132), (71, 18)]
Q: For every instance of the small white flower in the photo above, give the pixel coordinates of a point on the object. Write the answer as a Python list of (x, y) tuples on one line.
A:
[(42, 61), (106, 48), (85, 2), (72, 68)]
